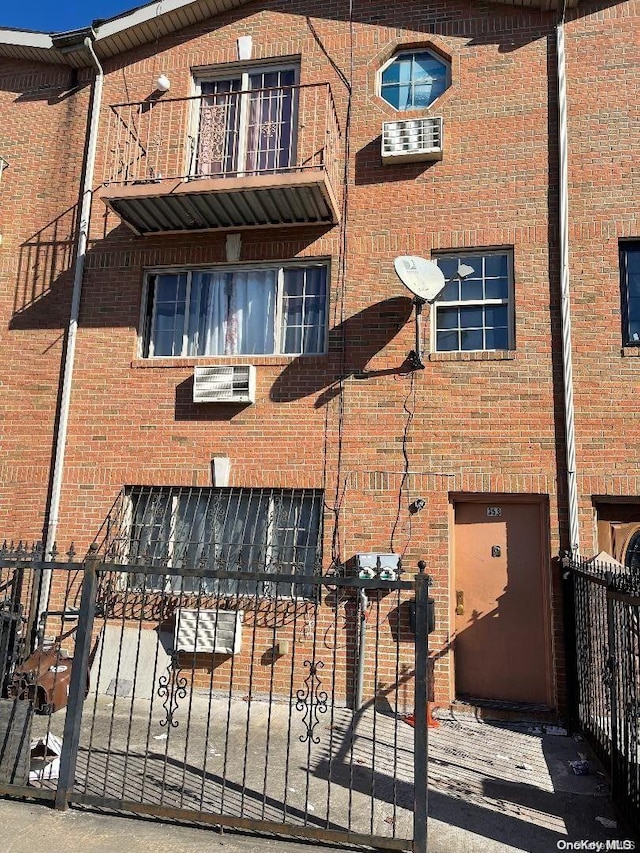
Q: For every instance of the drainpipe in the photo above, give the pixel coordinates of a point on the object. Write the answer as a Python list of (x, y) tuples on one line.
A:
[(565, 305), (363, 604), (65, 401)]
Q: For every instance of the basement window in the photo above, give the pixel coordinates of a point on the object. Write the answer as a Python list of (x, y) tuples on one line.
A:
[(230, 312), (267, 532), (474, 311)]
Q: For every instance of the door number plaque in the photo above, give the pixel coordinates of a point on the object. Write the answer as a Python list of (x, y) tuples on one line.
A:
[(494, 511)]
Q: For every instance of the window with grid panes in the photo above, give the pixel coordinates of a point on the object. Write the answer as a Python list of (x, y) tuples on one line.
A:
[(236, 311), (266, 532), (474, 311), (413, 80)]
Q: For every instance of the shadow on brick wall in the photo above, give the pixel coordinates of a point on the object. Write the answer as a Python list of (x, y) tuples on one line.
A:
[(44, 278), (352, 344)]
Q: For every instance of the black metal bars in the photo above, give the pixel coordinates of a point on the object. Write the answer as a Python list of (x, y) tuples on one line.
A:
[(209, 702), (604, 628)]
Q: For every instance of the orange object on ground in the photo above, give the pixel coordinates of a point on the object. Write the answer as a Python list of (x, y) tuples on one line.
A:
[(432, 723)]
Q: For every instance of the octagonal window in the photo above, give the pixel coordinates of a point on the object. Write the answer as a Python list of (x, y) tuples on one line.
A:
[(413, 80)]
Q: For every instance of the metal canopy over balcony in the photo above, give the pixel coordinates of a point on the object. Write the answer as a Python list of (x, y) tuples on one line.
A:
[(260, 201), (225, 160)]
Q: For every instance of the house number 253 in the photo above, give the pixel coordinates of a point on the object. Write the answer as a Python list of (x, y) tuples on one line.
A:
[(494, 511)]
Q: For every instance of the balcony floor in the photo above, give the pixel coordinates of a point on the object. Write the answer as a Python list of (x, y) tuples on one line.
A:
[(223, 204)]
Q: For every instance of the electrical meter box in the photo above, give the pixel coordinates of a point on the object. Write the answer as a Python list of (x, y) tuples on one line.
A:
[(385, 567)]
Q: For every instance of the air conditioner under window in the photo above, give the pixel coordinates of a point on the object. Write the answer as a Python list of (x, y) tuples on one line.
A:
[(209, 631), (412, 140), (235, 383)]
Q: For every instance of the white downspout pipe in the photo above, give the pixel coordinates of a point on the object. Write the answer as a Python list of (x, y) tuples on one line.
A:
[(65, 401), (565, 305)]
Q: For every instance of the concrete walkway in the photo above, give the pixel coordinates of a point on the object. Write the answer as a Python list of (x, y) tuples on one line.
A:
[(492, 788)]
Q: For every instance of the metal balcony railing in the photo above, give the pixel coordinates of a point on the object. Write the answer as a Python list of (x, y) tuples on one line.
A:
[(224, 135)]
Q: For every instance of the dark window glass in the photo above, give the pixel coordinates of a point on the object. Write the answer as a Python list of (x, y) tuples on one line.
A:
[(266, 531), (630, 288)]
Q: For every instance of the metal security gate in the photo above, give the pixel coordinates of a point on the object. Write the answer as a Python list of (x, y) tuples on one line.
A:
[(227, 697), (603, 628)]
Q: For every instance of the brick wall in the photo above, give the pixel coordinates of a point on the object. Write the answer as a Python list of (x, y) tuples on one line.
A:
[(43, 113), (478, 424)]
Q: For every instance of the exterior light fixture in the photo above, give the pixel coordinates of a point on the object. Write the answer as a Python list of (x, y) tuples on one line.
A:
[(163, 84)]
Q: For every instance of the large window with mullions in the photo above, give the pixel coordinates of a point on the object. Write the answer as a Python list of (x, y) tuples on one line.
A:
[(268, 532), (236, 311), (474, 311)]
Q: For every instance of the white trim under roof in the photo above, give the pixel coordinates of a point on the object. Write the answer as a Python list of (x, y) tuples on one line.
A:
[(144, 24), (26, 38)]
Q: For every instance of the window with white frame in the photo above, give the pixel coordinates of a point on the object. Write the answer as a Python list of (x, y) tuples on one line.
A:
[(474, 311), (236, 311), (262, 531), (413, 80), (245, 122)]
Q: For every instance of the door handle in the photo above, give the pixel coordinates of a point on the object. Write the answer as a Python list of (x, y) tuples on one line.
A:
[(459, 602)]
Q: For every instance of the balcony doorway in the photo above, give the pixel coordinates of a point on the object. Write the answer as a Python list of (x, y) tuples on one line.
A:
[(245, 124)]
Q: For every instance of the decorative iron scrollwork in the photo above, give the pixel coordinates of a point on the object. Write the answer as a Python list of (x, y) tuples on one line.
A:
[(213, 118), (269, 128), (312, 700), (173, 686)]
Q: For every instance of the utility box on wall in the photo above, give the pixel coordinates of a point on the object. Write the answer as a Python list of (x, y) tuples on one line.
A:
[(385, 567)]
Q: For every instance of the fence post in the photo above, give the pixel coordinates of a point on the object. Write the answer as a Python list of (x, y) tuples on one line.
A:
[(420, 713), (612, 666), (78, 686), (570, 637)]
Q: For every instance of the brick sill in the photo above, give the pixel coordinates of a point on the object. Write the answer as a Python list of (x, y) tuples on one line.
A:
[(494, 355), (222, 361)]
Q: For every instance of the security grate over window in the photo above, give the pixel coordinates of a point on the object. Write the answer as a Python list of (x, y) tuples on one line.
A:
[(217, 530)]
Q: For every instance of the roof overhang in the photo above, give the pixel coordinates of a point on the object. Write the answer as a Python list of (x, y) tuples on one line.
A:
[(143, 25), (114, 36)]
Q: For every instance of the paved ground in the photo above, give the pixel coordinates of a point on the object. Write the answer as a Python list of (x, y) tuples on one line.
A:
[(492, 788)]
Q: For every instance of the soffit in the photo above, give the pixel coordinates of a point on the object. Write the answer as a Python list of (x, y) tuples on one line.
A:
[(143, 25)]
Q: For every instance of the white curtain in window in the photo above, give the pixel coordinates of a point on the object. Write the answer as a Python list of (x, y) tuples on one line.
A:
[(232, 313)]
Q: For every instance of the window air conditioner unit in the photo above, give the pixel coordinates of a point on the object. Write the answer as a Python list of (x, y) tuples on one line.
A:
[(217, 632), (233, 384), (412, 141)]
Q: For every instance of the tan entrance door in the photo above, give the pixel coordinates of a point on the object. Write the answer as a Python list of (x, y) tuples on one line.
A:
[(501, 635)]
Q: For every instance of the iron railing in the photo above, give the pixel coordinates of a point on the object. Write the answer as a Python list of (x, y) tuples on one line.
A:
[(604, 652), (226, 135), (188, 697)]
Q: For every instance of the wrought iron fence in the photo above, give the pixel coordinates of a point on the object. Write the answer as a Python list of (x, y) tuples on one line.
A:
[(604, 608), (190, 694), (224, 134)]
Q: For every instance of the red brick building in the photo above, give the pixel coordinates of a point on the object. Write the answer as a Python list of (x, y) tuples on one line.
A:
[(271, 160)]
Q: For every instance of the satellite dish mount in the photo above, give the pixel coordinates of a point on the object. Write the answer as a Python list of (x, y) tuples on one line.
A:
[(425, 280)]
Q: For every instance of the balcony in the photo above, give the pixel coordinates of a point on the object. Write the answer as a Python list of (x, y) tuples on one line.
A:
[(225, 160)]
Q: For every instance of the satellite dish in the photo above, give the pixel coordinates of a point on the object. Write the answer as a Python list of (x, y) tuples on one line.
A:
[(424, 278)]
